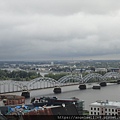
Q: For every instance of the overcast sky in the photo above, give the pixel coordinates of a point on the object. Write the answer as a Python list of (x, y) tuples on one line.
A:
[(59, 29)]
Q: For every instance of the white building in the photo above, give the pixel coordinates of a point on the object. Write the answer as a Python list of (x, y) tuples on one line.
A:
[(104, 108), (100, 70)]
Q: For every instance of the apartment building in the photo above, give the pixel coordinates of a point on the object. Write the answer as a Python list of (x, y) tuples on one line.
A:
[(104, 108)]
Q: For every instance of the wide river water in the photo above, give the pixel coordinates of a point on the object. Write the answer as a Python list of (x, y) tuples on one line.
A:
[(110, 92)]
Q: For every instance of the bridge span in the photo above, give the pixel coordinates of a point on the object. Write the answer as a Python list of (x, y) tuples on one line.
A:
[(7, 86)]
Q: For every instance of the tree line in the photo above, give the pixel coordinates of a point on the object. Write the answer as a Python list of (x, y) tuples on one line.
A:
[(26, 76), (18, 75)]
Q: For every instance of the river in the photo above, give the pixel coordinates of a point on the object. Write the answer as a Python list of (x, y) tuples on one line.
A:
[(89, 95)]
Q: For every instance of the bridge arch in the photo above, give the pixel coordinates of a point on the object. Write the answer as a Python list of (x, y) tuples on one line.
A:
[(112, 74), (69, 78), (10, 86), (92, 75), (42, 82)]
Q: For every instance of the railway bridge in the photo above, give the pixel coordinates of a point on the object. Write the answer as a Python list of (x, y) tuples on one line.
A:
[(8, 86)]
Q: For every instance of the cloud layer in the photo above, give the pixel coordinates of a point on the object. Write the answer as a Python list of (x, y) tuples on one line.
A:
[(65, 29)]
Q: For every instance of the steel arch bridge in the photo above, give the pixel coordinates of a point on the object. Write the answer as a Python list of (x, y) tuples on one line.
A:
[(45, 82), (92, 75), (100, 77), (11, 86), (38, 83), (112, 74), (42, 82), (70, 78)]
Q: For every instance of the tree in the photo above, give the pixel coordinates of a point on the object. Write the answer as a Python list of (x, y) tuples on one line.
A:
[(56, 76)]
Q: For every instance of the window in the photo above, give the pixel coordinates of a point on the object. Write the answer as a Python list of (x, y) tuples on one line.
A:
[(109, 110), (91, 113), (91, 108), (98, 113), (112, 114), (105, 109), (94, 113), (112, 110), (94, 108), (98, 109), (116, 110)]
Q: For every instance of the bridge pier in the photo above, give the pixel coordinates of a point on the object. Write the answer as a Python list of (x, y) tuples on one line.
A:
[(26, 94), (82, 86), (57, 90), (118, 81), (103, 84), (96, 87)]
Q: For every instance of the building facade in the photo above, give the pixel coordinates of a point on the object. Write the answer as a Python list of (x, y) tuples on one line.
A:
[(11, 99), (104, 108)]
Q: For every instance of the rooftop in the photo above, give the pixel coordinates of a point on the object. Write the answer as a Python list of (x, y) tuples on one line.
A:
[(6, 96), (106, 103)]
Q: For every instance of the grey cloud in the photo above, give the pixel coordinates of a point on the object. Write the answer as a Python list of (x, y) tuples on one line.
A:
[(59, 29), (60, 7)]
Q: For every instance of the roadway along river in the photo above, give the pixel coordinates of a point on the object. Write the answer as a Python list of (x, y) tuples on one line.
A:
[(110, 92)]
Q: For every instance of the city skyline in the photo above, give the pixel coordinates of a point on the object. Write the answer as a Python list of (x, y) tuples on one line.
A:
[(59, 30)]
